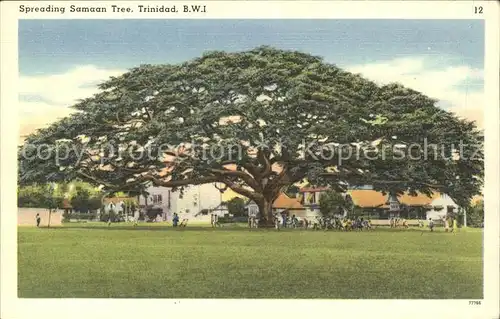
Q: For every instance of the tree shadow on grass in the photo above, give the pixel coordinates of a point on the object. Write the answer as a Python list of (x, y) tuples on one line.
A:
[(224, 228), (149, 228)]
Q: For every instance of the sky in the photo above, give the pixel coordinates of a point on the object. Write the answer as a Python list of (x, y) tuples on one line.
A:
[(61, 61)]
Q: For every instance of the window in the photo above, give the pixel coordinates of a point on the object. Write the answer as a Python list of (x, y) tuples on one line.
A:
[(157, 199)]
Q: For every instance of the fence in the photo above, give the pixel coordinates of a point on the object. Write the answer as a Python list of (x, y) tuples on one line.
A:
[(27, 217)]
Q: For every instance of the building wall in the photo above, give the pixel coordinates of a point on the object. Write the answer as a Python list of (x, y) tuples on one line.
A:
[(27, 217), (253, 209), (163, 204), (444, 201), (194, 199)]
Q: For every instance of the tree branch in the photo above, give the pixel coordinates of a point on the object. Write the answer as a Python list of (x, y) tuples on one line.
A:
[(242, 191), (244, 176)]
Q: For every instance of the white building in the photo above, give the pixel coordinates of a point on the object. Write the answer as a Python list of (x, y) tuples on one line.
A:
[(194, 200), (441, 206)]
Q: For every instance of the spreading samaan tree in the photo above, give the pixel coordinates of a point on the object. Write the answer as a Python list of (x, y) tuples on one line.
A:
[(258, 122)]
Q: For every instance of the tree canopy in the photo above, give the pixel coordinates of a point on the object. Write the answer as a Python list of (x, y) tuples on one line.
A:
[(258, 121), (475, 214), (236, 206), (334, 203)]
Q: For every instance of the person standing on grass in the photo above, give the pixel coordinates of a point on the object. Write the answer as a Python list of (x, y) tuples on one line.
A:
[(216, 220), (405, 223), (136, 218), (431, 224), (254, 221), (38, 219), (446, 224), (175, 220), (283, 218), (455, 226)]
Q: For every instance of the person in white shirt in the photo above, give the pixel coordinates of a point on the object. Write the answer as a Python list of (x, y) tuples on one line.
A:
[(253, 220), (276, 221)]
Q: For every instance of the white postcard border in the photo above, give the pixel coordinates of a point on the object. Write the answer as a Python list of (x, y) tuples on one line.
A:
[(12, 307)]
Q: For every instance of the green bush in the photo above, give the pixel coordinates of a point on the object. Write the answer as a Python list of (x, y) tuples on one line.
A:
[(67, 216)]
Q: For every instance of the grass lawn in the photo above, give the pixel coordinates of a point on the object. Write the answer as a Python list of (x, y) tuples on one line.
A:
[(93, 261)]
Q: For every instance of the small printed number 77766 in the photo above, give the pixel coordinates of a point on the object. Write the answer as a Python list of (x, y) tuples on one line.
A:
[(474, 303)]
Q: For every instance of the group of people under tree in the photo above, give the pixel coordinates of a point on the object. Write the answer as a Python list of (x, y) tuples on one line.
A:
[(342, 223), (396, 222), (283, 220)]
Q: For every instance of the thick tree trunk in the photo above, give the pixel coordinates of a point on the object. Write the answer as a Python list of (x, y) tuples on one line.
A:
[(266, 213)]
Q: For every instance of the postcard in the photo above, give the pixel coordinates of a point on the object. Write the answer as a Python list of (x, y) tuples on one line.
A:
[(250, 158)]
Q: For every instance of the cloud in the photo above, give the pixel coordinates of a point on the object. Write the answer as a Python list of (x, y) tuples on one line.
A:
[(46, 98), (457, 87), (64, 89)]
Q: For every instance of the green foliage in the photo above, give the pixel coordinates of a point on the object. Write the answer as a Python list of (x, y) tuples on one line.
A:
[(355, 211), (236, 206), (84, 198), (475, 214), (84, 201), (333, 203), (79, 216), (236, 101), (30, 196), (48, 198), (292, 191)]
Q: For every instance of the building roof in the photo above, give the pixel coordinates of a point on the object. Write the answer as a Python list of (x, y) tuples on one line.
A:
[(419, 200), (367, 198), (285, 202), (371, 198)]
